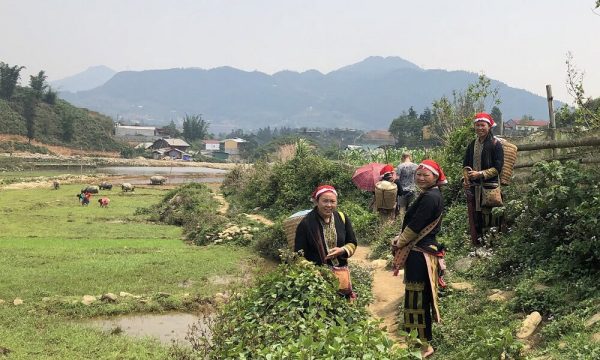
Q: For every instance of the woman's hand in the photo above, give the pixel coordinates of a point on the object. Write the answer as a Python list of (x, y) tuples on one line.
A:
[(474, 175), (335, 252)]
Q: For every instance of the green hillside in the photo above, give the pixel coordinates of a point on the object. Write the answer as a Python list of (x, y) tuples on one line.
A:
[(59, 124)]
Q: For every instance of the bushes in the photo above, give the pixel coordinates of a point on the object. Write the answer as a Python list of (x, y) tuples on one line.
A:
[(294, 312)]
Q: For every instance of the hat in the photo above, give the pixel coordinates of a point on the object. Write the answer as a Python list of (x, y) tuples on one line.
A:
[(320, 190), (484, 117), (435, 169), (386, 169)]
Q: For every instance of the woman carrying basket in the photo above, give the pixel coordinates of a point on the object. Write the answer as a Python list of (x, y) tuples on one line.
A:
[(325, 235), (420, 255)]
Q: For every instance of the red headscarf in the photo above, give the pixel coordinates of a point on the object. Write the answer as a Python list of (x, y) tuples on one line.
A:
[(386, 169), (484, 117), (435, 169), (320, 190)]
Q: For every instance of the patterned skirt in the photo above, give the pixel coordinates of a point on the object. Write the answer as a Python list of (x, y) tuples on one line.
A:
[(420, 297)]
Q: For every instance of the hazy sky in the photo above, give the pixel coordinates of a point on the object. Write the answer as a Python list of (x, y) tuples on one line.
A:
[(520, 42)]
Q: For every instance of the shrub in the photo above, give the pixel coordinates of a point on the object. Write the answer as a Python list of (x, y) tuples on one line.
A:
[(294, 312), (270, 241)]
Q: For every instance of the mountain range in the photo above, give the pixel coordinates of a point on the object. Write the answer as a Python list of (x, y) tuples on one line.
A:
[(365, 95)]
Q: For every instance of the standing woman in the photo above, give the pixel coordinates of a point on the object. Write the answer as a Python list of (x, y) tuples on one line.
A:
[(325, 235), (422, 267), (483, 160)]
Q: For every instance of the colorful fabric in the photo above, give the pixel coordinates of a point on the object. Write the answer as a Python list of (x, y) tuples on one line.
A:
[(485, 117), (320, 190), (386, 169), (435, 169)]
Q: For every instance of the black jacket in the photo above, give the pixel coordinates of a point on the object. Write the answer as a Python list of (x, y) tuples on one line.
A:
[(309, 237), (492, 156)]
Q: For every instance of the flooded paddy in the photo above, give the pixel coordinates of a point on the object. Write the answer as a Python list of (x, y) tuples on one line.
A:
[(175, 175), (164, 327)]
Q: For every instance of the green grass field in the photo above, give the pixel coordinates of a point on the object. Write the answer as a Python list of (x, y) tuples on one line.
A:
[(52, 247)]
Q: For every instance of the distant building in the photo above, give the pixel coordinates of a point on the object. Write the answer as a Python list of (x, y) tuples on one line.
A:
[(232, 147), (170, 143), (126, 131), (211, 145), (174, 154), (515, 126), (376, 138)]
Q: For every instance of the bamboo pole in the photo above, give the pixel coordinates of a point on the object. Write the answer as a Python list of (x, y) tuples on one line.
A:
[(559, 144)]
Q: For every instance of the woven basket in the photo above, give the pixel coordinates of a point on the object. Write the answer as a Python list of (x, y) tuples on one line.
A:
[(385, 195), (289, 226), (510, 158)]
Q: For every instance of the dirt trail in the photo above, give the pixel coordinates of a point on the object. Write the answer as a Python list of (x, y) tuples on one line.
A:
[(225, 207), (388, 291)]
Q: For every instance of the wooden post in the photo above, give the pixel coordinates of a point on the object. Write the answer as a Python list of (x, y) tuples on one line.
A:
[(552, 123), (550, 108)]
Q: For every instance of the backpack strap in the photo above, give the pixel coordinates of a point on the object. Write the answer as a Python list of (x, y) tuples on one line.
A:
[(342, 216)]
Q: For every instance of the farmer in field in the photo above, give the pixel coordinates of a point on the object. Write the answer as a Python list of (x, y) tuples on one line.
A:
[(325, 236), (417, 251), (104, 201), (482, 165), (406, 183), (85, 200)]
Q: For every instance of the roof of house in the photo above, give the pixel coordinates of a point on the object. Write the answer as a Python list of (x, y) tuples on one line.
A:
[(512, 122), (238, 140), (211, 141), (137, 127), (176, 142)]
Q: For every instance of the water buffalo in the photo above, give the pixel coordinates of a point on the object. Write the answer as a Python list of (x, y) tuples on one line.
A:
[(105, 186), (92, 189), (56, 185), (127, 187), (157, 180)]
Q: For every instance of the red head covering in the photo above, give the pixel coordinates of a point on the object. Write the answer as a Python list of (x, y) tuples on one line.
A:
[(435, 169), (386, 169), (320, 190), (484, 117)]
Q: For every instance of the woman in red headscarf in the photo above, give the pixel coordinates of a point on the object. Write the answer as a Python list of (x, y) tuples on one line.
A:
[(422, 266), (483, 162), (325, 235)]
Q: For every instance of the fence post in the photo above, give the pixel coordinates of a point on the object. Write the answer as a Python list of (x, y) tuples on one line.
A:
[(552, 119)]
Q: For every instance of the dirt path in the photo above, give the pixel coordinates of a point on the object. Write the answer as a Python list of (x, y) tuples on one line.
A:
[(388, 291)]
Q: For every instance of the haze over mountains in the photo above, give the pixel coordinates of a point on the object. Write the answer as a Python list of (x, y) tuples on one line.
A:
[(365, 95)]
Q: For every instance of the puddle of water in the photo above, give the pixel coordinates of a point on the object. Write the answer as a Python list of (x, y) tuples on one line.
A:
[(150, 170), (164, 327)]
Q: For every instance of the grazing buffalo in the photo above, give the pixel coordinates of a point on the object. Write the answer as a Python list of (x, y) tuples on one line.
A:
[(127, 187), (56, 185), (105, 186), (158, 180), (92, 189)]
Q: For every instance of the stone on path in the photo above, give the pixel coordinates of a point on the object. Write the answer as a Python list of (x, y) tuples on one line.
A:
[(18, 301), (2, 301), (379, 264), (88, 300), (461, 286), (591, 321), (529, 325), (500, 295), (596, 337), (125, 294), (109, 297)]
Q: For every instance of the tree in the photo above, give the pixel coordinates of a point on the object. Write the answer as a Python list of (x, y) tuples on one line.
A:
[(406, 128), (68, 127), (9, 77), (29, 114), (38, 84), (497, 116), (50, 96), (195, 127), (448, 115), (172, 130), (426, 116)]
